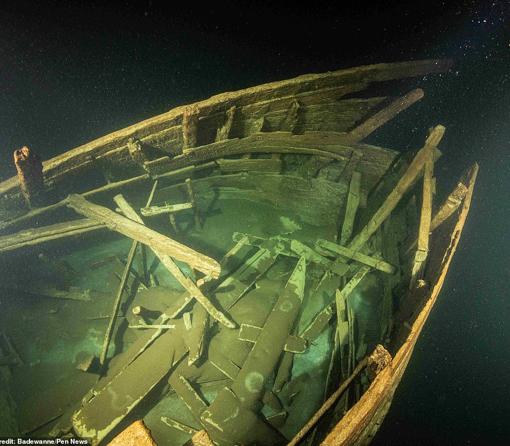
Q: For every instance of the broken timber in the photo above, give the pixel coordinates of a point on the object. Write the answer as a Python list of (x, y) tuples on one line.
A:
[(231, 417), (425, 220), (405, 182), (378, 264), (383, 116), (35, 236), (151, 211), (169, 264), (144, 235), (351, 208), (120, 290)]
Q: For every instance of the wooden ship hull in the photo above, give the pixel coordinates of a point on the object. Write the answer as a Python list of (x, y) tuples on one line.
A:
[(356, 229)]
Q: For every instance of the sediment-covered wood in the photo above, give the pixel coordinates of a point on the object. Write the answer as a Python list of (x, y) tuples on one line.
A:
[(425, 220), (405, 182), (361, 76), (373, 262), (386, 114), (35, 236), (144, 235), (170, 265), (152, 211)]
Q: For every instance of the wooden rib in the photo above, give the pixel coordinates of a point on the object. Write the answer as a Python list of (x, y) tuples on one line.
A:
[(386, 114), (169, 264), (190, 127), (327, 144), (405, 182), (290, 120), (375, 263), (224, 131), (364, 74), (120, 291), (35, 236), (425, 220), (193, 201), (351, 208), (144, 235), (247, 164)]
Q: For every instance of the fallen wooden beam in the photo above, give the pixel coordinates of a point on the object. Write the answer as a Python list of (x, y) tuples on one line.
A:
[(169, 264), (144, 235), (405, 182), (53, 207), (386, 114), (120, 291), (425, 220), (151, 211), (35, 236), (193, 201), (353, 199), (373, 262)]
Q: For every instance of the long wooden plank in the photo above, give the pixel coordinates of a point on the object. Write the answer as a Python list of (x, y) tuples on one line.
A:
[(405, 182), (353, 199), (144, 235), (120, 290), (373, 262), (35, 236), (169, 264), (425, 221), (386, 114), (369, 73)]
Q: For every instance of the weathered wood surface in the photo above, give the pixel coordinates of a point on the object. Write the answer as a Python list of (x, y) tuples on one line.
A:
[(144, 235), (361, 421), (101, 414), (303, 84), (246, 165), (53, 207), (151, 211), (404, 184), (224, 131), (328, 144), (425, 219), (373, 262), (353, 199), (170, 265), (35, 236), (120, 290), (373, 162), (386, 114), (233, 421)]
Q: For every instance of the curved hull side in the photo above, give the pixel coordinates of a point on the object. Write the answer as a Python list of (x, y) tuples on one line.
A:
[(360, 423)]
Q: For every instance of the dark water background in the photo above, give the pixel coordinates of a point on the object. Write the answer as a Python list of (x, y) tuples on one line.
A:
[(70, 72)]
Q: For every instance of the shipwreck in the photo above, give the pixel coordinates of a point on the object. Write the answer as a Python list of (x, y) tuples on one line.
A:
[(245, 270)]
